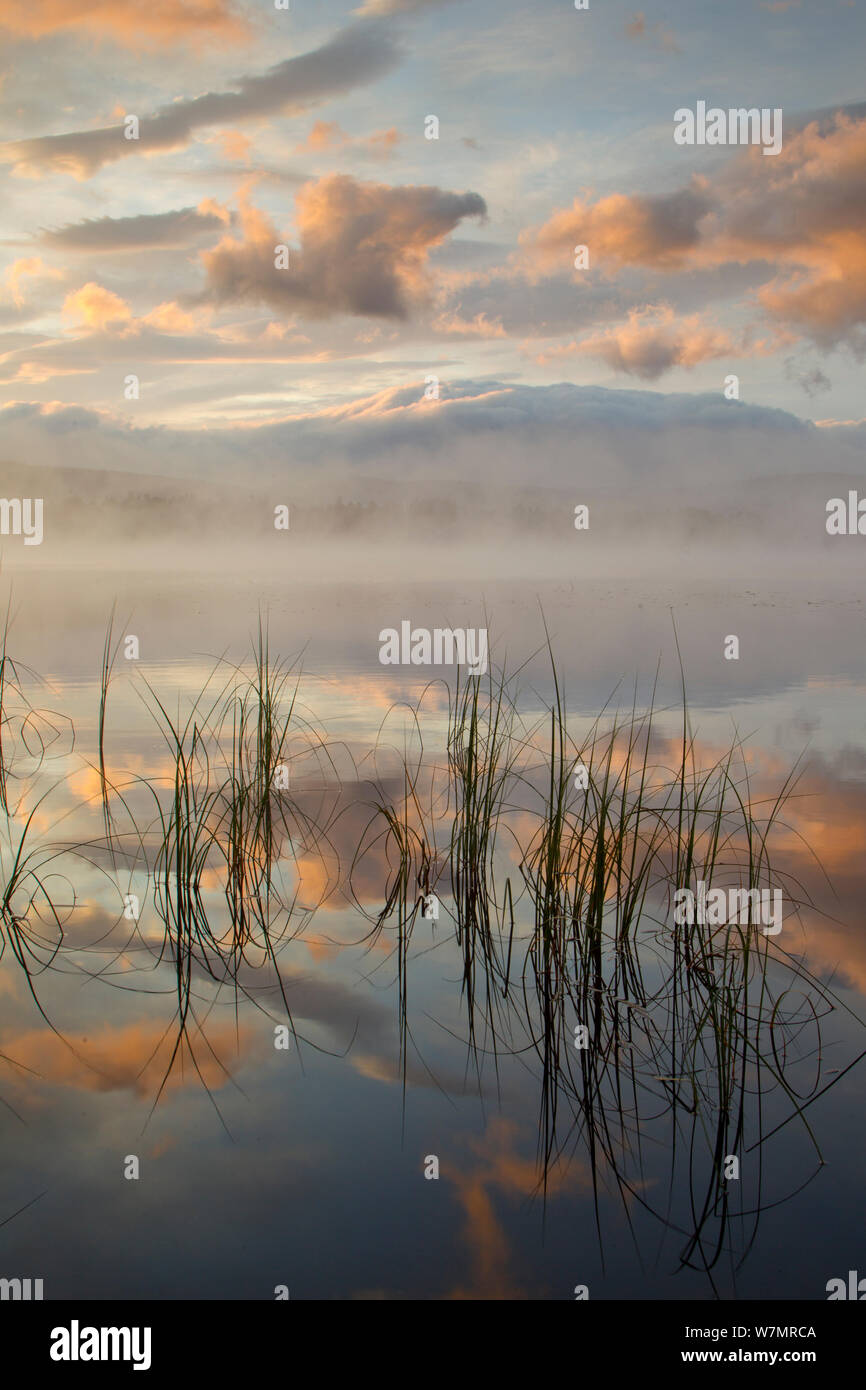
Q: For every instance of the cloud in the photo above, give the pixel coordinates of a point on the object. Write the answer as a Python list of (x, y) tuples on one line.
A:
[(27, 267), (813, 381), (95, 307), (658, 34), (480, 326), (145, 232), (132, 1057), (807, 214), (363, 249), (169, 334), (799, 220), (169, 318), (328, 136), (37, 373), (235, 145), (325, 135), (157, 22), (376, 8), (623, 230), (101, 311), (498, 1166), (355, 56), (483, 430), (652, 341)]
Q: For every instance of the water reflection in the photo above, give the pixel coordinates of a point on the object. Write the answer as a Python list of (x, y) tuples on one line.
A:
[(501, 874)]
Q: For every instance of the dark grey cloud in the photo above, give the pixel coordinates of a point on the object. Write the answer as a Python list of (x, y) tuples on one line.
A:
[(148, 230), (356, 55), (810, 379)]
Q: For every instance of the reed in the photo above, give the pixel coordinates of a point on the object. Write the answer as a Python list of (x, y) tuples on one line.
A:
[(258, 817), (480, 759)]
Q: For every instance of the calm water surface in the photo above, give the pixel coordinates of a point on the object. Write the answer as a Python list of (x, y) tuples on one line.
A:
[(305, 1167)]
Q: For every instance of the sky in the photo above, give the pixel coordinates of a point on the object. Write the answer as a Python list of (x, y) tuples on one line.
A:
[(139, 284)]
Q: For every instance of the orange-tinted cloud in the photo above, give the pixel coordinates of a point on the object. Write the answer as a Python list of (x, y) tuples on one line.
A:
[(807, 214), (235, 145), (657, 34), (95, 307), (27, 267), (499, 1168), (133, 1057), (651, 342), (479, 326), (170, 318), (803, 214), (325, 135), (157, 22), (383, 141), (37, 373), (102, 311), (389, 7), (328, 135), (622, 230), (363, 250)]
